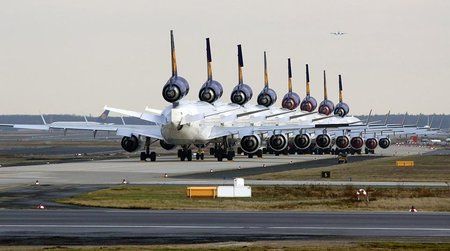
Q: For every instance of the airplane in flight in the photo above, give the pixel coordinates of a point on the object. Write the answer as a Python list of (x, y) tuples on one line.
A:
[(338, 33), (251, 129)]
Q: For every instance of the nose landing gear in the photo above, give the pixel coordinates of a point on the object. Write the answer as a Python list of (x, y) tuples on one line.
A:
[(147, 154), (185, 153)]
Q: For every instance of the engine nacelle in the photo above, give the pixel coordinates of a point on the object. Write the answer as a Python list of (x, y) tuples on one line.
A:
[(371, 143), (357, 143), (302, 141), (175, 89), (250, 144), (341, 109), (342, 142), (267, 97), (384, 142), (323, 141), (241, 94), (290, 101), (308, 104), (278, 142), (326, 107), (130, 144), (166, 146), (210, 91)]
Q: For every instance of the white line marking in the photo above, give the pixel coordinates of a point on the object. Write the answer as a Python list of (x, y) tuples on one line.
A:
[(220, 227)]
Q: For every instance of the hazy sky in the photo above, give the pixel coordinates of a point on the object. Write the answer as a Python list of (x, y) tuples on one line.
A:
[(76, 56)]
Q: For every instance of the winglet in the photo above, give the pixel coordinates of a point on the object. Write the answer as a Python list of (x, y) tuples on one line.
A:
[(43, 119), (404, 119), (368, 117), (387, 117), (174, 59)]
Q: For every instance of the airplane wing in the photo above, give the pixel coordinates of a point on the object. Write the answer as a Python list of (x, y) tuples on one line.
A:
[(153, 131)]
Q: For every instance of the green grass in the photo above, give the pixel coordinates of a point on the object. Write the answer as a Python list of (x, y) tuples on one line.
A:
[(427, 168), (261, 245), (273, 198)]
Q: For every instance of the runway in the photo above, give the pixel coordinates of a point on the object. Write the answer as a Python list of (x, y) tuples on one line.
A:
[(160, 226), (138, 172)]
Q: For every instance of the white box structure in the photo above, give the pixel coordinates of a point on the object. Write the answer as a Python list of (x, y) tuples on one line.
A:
[(238, 190)]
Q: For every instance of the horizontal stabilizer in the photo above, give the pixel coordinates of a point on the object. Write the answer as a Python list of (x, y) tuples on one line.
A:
[(157, 119)]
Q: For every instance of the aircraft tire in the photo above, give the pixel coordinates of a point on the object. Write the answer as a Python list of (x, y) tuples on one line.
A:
[(189, 155), (202, 156), (143, 156), (153, 156)]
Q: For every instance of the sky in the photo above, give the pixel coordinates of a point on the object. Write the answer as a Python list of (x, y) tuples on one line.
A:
[(74, 57)]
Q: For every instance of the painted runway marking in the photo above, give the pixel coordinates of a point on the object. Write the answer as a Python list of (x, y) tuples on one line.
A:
[(221, 227)]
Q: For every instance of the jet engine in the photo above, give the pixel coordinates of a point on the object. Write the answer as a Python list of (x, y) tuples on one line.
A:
[(308, 104), (323, 141), (130, 144), (166, 145), (278, 142), (357, 143), (326, 107), (291, 101), (210, 91), (267, 97), (250, 144), (302, 141), (371, 143), (342, 142), (175, 89), (241, 94), (384, 142)]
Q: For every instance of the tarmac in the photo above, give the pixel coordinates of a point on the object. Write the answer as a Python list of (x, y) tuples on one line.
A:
[(21, 223), (126, 226), (138, 172)]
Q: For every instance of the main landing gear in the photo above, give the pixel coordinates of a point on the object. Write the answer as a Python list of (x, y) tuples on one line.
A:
[(223, 150), (185, 153), (147, 154)]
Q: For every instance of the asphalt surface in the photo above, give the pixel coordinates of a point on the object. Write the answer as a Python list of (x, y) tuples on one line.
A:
[(121, 226), (316, 161)]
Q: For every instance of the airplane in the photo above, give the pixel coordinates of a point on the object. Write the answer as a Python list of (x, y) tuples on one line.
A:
[(338, 33), (208, 121)]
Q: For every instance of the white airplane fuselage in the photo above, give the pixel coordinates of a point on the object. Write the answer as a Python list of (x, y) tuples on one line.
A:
[(178, 133)]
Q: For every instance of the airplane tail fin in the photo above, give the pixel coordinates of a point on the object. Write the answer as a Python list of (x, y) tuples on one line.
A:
[(104, 115), (266, 75), (209, 59), (174, 59), (289, 76), (340, 89), (308, 91), (325, 94), (240, 64)]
